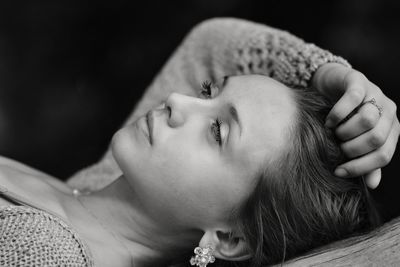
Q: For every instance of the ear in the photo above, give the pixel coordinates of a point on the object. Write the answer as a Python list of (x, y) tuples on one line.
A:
[(227, 246)]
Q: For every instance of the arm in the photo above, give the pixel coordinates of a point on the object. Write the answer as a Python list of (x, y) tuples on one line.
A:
[(233, 47), (219, 47), (227, 46)]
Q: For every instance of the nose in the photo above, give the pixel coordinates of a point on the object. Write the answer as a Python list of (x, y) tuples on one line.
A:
[(180, 107)]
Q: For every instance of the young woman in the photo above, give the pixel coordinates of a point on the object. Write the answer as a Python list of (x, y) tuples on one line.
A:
[(244, 170)]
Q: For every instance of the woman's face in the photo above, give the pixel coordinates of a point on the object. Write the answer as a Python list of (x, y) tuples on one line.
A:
[(194, 173)]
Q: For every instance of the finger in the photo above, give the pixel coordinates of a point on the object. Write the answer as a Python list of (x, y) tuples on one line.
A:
[(351, 99), (365, 119), (371, 161), (373, 178), (370, 140)]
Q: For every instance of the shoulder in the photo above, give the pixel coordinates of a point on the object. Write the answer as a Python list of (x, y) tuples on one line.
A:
[(10, 164), (36, 187)]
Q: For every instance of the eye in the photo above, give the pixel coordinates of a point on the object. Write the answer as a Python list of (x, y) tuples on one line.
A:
[(216, 131), (209, 90)]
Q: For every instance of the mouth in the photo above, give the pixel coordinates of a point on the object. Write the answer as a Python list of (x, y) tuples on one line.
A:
[(150, 125)]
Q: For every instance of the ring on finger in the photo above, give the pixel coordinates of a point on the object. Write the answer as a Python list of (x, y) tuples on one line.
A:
[(373, 102)]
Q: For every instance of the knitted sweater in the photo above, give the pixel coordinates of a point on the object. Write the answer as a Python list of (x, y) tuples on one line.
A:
[(213, 49), (32, 237)]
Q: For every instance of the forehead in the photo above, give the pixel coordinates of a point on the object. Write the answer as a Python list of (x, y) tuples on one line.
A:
[(266, 109)]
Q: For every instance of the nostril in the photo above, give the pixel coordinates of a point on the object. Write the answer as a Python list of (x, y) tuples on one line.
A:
[(169, 111)]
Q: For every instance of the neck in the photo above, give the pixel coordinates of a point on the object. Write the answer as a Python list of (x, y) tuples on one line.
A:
[(149, 242)]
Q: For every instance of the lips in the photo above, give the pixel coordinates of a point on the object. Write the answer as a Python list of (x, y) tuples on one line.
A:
[(150, 124)]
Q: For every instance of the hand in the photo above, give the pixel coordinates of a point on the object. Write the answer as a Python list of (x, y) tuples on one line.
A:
[(369, 139)]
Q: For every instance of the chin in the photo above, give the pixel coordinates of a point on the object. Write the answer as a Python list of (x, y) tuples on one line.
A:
[(122, 148), (128, 152), (117, 141)]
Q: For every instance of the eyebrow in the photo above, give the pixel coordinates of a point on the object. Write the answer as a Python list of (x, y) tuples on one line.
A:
[(232, 109)]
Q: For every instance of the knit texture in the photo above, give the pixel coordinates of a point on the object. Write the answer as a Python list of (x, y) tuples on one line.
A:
[(213, 49), (31, 237)]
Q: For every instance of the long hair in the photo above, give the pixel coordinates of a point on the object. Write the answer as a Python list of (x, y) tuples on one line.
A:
[(300, 204)]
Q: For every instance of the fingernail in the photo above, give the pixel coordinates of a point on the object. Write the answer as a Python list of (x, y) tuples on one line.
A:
[(341, 172), (329, 123)]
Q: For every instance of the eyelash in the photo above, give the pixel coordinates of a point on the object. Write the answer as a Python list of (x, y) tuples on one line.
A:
[(216, 125), (216, 128), (206, 90)]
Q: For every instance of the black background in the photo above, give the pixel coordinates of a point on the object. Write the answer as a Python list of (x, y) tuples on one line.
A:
[(70, 71)]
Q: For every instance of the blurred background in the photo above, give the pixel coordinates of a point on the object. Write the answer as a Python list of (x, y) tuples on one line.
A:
[(72, 70)]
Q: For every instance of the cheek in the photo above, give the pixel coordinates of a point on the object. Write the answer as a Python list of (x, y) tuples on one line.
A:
[(181, 162), (183, 174)]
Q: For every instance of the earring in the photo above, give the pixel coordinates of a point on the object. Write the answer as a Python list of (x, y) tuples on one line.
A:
[(203, 256)]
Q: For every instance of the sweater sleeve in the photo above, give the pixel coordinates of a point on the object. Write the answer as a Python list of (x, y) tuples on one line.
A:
[(228, 46), (213, 49)]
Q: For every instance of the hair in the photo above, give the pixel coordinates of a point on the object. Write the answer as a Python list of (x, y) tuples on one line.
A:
[(299, 204)]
